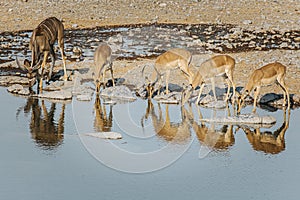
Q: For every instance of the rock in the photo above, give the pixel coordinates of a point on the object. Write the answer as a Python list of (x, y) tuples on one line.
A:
[(216, 104), (120, 92), (84, 97), (83, 90), (243, 119), (296, 99), (74, 25), (270, 97), (57, 95), (171, 98), (105, 135), (162, 5), (9, 80), (18, 89), (247, 22)]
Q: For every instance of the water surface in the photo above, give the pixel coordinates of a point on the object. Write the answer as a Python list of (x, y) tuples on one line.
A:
[(53, 163)]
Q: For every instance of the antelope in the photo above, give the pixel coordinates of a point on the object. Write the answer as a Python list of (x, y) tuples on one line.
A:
[(102, 62), (264, 76), (268, 142), (170, 60), (209, 69), (41, 42)]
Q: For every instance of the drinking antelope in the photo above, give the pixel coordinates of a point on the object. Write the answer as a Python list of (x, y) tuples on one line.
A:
[(170, 60), (263, 76), (209, 69), (103, 62), (41, 42)]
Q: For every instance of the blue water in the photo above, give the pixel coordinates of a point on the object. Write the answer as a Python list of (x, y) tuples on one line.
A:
[(62, 166)]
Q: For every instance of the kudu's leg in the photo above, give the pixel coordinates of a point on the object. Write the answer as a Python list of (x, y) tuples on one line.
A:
[(60, 38), (52, 54), (46, 53)]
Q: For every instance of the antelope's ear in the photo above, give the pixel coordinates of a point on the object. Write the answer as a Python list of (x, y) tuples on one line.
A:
[(27, 63)]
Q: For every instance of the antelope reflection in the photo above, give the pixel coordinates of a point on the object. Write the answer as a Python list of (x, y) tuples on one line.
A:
[(45, 130), (221, 139), (102, 122), (267, 141), (164, 128)]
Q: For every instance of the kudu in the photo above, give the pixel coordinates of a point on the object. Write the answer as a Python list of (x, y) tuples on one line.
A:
[(41, 42), (172, 59), (103, 62), (266, 75), (209, 69)]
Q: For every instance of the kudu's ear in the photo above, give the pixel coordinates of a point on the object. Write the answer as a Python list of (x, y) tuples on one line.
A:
[(22, 67), (27, 63)]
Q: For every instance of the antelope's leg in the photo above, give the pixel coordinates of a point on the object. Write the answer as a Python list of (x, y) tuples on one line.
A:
[(230, 77), (228, 89), (112, 74), (213, 87), (167, 84), (200, 92), (256, 93), (285, 90), (42, 71)]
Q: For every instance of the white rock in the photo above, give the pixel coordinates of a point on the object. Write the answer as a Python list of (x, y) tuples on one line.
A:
[(105, 135), (58, 95), (84, 97), (244, 119), (247, 22), (119, 92)]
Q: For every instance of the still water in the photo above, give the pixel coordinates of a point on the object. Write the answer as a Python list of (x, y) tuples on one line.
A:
[(46, 154)]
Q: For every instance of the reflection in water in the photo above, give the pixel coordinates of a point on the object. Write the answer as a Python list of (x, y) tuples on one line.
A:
[(267, 141), (220, 139), (164, 128), (102, 122), (46, 132)]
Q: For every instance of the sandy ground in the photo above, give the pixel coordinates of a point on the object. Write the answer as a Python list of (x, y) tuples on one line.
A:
[(260, 15), (252, 14)]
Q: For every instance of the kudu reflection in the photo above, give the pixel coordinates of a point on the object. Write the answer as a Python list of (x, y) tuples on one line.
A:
[(45, 130), (170, 131), (267, 141), (102, 122)]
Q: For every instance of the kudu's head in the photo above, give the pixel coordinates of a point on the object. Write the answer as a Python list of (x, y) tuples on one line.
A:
[(36, 44), (31, 72)]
